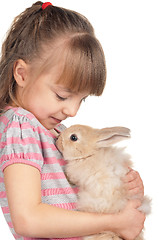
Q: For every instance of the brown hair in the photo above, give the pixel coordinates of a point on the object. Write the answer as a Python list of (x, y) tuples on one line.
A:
[(33, 29)]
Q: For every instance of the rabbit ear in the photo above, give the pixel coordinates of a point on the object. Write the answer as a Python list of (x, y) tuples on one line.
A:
[(109, 136)]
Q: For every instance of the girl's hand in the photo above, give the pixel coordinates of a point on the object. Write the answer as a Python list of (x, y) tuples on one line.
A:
[(134, 184), (131, 221)]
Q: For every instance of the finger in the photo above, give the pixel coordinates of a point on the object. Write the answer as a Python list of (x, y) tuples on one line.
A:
[(132, 175), (133, 184), (136, 192), (135, 203)]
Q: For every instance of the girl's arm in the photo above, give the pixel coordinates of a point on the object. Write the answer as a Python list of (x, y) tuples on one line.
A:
[(32, 218)]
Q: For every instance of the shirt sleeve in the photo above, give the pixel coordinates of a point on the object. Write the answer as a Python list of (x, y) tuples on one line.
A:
[(20, 143)]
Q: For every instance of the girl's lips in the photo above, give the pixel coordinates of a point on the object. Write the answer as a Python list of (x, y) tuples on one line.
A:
[(56, 120)]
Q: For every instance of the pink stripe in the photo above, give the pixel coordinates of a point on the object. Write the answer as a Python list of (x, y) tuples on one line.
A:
[(28, 140), (30, 116), (5, 210), (22, 156), (36, 156), (24, 125), (4, 120), (16, 109), (2, 144), (69, 206), (75, 238), (46, 132), (10, 224), (46, 145), (23, 162), (24, 141), (1, 180), (54, 160), (2, 194), (27, 125), (12, 125), (10, 107), (57, 175), (58, 191)]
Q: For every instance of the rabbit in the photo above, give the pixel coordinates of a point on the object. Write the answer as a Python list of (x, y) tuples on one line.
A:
[(97, 168)]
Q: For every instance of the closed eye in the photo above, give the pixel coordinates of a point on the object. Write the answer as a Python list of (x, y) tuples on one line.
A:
[(60, 98)]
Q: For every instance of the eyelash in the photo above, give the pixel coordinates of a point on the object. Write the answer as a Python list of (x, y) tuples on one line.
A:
[(63, 99), (60, 98), (83, 99)]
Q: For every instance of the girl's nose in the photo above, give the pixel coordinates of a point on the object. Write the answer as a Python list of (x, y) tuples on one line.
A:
[(71, 110)]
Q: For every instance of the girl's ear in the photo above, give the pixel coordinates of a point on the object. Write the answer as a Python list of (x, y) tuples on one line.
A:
[(20, 72)]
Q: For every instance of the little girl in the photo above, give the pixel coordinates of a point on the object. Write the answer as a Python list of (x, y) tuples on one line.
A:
[(51, 61)]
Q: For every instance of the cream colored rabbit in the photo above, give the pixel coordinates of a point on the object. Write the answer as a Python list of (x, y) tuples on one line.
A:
[(97, 168)]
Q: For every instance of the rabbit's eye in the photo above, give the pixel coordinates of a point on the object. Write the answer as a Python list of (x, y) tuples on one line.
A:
[(73, 137)]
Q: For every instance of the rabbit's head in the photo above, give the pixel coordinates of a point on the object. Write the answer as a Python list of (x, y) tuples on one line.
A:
[(79, 141)]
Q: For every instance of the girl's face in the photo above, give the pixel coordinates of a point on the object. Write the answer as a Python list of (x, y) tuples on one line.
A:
[(49, 102)]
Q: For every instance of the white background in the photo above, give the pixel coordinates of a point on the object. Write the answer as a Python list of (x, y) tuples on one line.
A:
[(128, 31)]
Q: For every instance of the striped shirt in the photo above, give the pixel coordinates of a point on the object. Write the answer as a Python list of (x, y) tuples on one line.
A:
[(23, 139)]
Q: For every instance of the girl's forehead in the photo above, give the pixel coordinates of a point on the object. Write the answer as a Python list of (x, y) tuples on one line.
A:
[(63, 89), (75, 65)]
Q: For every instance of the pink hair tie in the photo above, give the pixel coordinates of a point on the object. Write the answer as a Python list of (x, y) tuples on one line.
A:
[(45, 5)]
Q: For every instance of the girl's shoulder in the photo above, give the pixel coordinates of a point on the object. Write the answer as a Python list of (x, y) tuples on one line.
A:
[(19, 118), (20, 123), (24, 139), (19, 115)]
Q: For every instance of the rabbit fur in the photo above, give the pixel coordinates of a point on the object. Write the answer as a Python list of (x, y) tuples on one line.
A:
[(97, 168)]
